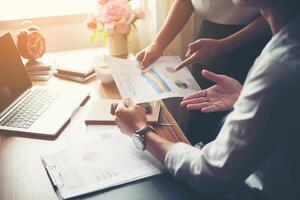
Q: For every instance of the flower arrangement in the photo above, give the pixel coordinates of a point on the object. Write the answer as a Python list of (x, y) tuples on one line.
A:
[(112, 16)]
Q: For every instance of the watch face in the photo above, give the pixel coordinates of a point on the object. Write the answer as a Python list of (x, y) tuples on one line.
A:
[(137, 141), (35, 45)]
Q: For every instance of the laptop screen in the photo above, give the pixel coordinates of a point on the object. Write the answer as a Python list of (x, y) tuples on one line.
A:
[(13, 77)]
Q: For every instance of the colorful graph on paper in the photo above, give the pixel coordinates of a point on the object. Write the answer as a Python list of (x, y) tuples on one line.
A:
[(156, 82)]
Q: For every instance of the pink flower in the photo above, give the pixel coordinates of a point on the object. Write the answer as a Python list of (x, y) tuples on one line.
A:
[(91, 22), (102, 2), (117, 13), (113, 16)]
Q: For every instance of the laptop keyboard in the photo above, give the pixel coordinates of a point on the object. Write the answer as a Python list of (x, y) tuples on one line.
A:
[(33, 106)]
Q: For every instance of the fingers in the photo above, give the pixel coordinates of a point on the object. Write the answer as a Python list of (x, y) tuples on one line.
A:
[(194, 46), (119, 124), (147, 60), (140, 55), (186, 62), (122, 126), (188, 53), (144, 58), (198, 106), (194, 101), (124, 105), (205, 107), (201, 93), (210, 109), (128, 103), (217, 78)]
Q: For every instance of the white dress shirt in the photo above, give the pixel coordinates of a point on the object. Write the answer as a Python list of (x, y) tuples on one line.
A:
[(224, 12), (265, 118)]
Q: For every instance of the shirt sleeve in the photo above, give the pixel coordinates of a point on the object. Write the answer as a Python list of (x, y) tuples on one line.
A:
[(250, 134)]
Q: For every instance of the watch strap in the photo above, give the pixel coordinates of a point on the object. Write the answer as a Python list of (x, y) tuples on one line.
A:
[(143, 132)]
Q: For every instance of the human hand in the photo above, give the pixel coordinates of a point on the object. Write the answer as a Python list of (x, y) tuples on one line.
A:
[(220, 97), (149, 55), (203, 51), (130, 117)]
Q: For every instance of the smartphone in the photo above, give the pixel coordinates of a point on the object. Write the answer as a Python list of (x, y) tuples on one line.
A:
[(146, 106)]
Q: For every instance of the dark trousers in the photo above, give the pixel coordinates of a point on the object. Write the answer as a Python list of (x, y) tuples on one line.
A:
[(205, 126)]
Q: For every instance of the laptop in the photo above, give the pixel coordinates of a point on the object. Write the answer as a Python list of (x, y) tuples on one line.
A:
[(31, 111)]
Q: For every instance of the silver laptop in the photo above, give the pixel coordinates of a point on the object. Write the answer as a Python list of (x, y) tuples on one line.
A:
[(27, 110)]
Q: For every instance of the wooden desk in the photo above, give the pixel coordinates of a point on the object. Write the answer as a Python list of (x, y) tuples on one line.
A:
[(22, 176)]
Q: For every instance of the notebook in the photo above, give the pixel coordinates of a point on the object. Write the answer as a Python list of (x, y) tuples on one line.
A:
[(74, 78), (100, 113), (77, 66)]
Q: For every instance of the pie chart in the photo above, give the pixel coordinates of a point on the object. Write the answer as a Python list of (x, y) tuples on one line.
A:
[(181, 84)]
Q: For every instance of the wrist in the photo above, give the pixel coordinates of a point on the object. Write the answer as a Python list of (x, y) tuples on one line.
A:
[(139, 127), (227, 45), (150, 137), (159, 45), (139, 137)]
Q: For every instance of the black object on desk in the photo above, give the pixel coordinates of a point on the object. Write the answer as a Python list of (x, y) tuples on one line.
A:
[(146, 106)]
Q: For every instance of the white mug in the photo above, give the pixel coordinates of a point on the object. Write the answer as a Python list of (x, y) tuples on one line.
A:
[(103, 73)]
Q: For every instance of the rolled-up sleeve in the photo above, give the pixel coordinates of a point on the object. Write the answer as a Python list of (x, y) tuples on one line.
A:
[(189, 164), (249, 135)]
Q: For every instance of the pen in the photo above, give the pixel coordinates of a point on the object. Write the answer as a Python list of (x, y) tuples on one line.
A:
[(56, 185)]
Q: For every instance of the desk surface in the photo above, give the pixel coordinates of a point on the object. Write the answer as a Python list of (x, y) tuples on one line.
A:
[(22, 175)]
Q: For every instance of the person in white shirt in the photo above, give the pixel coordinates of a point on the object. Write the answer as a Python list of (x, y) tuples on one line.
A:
[(263, 124), (229, 40)]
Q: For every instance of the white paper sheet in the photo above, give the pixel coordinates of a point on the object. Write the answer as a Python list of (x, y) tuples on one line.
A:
[(157, 82), (111, 161)]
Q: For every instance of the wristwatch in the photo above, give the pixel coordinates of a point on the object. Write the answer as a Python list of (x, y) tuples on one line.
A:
[(139, 137)]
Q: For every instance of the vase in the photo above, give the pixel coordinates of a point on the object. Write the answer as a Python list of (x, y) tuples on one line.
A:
[(117, 45)]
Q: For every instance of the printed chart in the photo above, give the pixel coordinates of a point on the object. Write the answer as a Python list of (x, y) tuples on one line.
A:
[(91, 156), (156, 82), (95, 166), (181, 84)]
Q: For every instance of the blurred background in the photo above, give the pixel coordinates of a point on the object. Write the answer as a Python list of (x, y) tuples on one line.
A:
[(62, 23)]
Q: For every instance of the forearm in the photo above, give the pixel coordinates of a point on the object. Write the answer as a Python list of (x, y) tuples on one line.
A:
[(255, 30), (157, 146), (178, 15)]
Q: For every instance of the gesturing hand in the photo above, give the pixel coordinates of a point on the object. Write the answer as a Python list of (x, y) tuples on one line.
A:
[(149, 55), (203, 51), (130, 117), (220, 97)]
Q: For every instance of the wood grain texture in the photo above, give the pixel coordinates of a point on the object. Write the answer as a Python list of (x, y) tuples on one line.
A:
[(22, 176)]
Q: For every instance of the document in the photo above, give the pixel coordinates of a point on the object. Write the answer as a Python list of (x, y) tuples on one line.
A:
[(157, 82), (112, 160)]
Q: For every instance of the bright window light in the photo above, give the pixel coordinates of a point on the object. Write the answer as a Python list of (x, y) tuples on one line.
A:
[(28, 9)]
